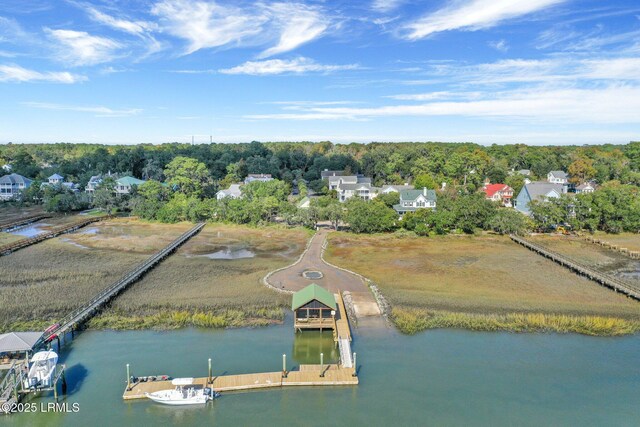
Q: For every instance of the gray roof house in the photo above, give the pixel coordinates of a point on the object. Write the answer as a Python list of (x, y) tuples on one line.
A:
[(339, 180), (385, 189), (558, 177), (325, 174), (412, 200), (233, 192), (363, 190), (56, 179), (587, 187), (262, 177), (12, 185), (18, 342), (537, 191)]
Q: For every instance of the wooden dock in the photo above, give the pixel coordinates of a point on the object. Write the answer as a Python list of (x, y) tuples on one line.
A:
[(307, 375), (606, 280), (90, 308), (8, 226), (23, 243)]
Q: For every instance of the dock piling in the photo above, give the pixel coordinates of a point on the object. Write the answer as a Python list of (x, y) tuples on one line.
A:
[(128, 378), (284, 366), (322, 364), (355, 365), (210, 372)]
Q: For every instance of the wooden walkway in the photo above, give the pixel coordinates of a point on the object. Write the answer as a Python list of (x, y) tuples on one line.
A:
[(342, 322), (89, 309), (604, 279), (307, 375), (6, 226), (12, 247)]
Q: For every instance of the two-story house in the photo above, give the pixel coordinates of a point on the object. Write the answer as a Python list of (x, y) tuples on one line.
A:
[(125, 184), (500, 193), (233, 192), (12, 185), (537, 191), (262, 177), (386, 189), (412, 200), (558, 177)]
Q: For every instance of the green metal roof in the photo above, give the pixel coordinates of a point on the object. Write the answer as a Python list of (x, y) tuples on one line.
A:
[(313, 292), (129, 180), (414, 194)]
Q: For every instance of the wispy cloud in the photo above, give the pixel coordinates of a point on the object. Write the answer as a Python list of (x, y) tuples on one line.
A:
[(472, 15), (384, 6), (80, 48), (499, 45), (280, 66), (98, 111), (18, 74), (212, 25), (297, 23)]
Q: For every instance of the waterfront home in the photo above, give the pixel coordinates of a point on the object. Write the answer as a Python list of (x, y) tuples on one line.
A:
[(363, 191), (587, 187), (325, 174), (261, 177), (537, 191), (338, 180), (386, 189), (58, 180), (233, 192), (55, 179), (314, 307), (12, 185), (93, 184), (500, 193), (125, 184), (558, 177), (412, 200)]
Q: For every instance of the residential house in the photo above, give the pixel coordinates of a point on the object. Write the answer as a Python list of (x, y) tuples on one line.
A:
[(500, 193), (412, 200), (537, 191), (55, 179), (125, 184), (587, 187), (558, 177), (386, 189), (12, 185), (58, 180), (325, 174), (233, 192), (262, 177), (338, 180), (93, 184), (364, 190)]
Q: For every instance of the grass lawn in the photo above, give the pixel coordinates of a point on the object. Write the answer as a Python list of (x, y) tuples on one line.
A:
[(194, 286), (483, 280)]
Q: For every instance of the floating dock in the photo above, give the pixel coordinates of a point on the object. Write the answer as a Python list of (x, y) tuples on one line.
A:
[(307, 375)]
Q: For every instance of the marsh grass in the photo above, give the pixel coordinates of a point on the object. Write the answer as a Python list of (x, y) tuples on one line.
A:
[(411, 321)]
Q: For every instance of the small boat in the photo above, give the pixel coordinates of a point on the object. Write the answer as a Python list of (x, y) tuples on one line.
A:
[(43, 368), (185, 393)]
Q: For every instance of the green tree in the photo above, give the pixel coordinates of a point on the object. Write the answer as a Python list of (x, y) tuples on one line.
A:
[(370, 217), (509, 221), (425, 181), (188, 176)]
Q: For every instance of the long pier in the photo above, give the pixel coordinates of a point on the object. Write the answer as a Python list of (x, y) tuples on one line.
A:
[(12, 247), (90, 308), (606, 280), (307, 375), (7, 226)]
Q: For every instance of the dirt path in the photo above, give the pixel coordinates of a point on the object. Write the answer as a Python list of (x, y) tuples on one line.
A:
[(333, 279)]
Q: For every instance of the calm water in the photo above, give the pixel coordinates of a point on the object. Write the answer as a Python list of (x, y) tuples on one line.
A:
[(30, 230), (436, 378)]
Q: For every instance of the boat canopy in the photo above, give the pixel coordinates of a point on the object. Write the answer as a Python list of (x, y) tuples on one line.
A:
[(44, 355), (182, 381)]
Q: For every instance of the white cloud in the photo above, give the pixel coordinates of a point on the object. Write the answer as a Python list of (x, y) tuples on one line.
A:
[(298, 24), (15, 73), (210, 25), (280, 66), (499, 45), (384, 6), (472, 15), (98, 111), (611, 104), (132, 27), (206, 24), (80, 48)]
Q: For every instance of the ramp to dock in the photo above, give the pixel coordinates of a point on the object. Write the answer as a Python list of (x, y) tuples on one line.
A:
[(307, 375), (345, 353)]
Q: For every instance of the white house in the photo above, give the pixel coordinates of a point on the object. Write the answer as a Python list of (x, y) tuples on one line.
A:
[(587, 187), (12, 185), (233, 192), (55, 179), (386, 189), (339, 180), (558, 177), (125, 184), (93, 184), (412, 200)]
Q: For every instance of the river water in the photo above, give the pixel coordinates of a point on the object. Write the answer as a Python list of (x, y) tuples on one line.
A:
[(439, 378)]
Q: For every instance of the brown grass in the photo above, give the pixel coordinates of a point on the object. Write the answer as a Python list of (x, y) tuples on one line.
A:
[(630, 241), (476, 275)]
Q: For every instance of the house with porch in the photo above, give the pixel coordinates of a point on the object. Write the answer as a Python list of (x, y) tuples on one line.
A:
[(12, 185), (262, 177), (386, 189), (412, 200), (314, 307), (585, 188), (125, 184), (558, 177), (499, 193), (325, 174), (233, 192)]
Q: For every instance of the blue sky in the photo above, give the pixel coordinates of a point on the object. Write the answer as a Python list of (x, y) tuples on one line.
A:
[(487, 71)]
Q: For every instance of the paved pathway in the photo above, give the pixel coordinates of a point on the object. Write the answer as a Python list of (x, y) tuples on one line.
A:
[(333, 279)]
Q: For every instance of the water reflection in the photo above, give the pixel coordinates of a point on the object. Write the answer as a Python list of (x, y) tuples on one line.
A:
[(230, 254), (308, 345), (30, 230)]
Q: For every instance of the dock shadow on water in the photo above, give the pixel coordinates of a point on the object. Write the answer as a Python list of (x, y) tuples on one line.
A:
[(308, 345), (75, 376)]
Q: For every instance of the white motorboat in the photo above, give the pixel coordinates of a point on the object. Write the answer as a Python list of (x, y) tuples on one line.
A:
[(42, 371), (185, 393)]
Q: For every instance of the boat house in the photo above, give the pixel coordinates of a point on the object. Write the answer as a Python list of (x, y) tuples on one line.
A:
[(314, 308), (17, 345)]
